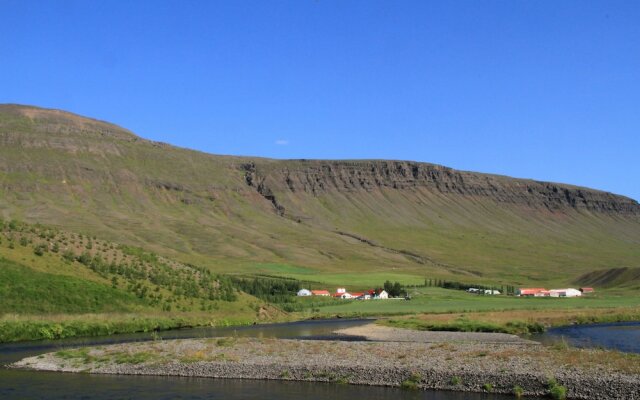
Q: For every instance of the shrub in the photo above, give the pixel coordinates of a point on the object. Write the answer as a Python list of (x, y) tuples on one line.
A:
[(518, 391), (487, 387), (556, 390), (411, 383), (39, 250), (456, 380)]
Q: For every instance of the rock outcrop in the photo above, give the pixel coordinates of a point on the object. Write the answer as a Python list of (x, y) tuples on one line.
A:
[(317, 177)]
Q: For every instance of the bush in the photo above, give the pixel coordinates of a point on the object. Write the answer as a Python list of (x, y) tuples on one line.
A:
[(456, 380), (487, 387), (39, 250), (411, 383), (518, 391), (556, 390)]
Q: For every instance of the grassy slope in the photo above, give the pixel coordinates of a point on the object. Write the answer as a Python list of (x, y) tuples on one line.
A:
[(24, 290), (198, 208), (45, 296)]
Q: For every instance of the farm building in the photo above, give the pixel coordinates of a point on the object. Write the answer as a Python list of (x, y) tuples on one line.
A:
[(491, 291), (529, 291), (381, 295), (304, 292), (565, 292), (320, 293), (343, 295), (587, 290)]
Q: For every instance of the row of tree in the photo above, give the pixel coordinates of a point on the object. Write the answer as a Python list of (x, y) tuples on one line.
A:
[(505, 289)]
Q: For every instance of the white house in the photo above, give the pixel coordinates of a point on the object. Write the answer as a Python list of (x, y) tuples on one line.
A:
[(341, 290), (304, 292), (343, 295), (382, 295), (490, 291)]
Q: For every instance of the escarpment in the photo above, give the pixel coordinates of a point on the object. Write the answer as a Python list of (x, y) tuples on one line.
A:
[(318, 177), (241, 213)]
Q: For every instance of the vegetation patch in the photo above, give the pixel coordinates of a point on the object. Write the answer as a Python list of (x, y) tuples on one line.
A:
[(556, 391), (411, 383)]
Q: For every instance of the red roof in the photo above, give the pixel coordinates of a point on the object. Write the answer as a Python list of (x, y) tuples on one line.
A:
[(587, 289), (531, 290), (319, 292), (357, 294)]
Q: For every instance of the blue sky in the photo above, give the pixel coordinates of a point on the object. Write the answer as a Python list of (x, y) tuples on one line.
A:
[(536, 89)]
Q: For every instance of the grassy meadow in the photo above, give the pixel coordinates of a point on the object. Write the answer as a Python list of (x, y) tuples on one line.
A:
[(438, 301)]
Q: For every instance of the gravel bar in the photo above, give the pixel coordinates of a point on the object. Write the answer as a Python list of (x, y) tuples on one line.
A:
[(460, 363)]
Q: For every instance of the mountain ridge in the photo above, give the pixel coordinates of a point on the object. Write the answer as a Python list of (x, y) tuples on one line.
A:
[(242, 213)]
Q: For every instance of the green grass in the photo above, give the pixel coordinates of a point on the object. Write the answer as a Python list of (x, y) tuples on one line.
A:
[(60, 327), (437, 300), (24, 290), (466, 325)]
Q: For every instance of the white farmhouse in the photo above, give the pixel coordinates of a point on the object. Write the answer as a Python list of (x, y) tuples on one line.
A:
[(382, 295), (304, 292)]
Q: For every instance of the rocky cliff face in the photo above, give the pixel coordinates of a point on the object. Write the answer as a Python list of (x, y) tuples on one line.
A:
[(317, 177)]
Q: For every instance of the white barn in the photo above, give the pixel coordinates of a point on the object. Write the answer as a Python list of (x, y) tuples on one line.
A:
[(304, 292), (570, 292)]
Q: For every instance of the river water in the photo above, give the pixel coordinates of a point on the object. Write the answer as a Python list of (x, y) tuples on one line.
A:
[(623, 336), (16, 384)]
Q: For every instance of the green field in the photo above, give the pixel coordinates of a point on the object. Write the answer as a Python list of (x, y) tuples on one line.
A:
[(438, 300), (314, 279)]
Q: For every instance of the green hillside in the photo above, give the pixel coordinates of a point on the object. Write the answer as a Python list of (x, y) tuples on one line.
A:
[(327, 221), (24, 290), (56, 283)]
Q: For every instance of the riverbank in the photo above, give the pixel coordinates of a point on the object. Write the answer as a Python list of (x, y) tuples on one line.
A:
[(50, 327), (519, 322), (463, 363)]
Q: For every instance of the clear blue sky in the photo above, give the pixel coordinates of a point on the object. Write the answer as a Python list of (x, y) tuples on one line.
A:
[(548, 90)]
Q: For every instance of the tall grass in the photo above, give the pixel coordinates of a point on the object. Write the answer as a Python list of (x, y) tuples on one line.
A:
[(21, 328)]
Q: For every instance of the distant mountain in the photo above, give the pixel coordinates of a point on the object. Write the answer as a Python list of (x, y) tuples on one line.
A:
[(305, 217)]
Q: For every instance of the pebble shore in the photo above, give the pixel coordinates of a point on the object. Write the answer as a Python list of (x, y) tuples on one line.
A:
[(392, 357)]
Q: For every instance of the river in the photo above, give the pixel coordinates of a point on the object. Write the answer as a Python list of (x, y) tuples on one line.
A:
[(17, 384), (622, 336)]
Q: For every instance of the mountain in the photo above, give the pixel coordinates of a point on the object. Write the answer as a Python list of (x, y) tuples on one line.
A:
[(305, 218)]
